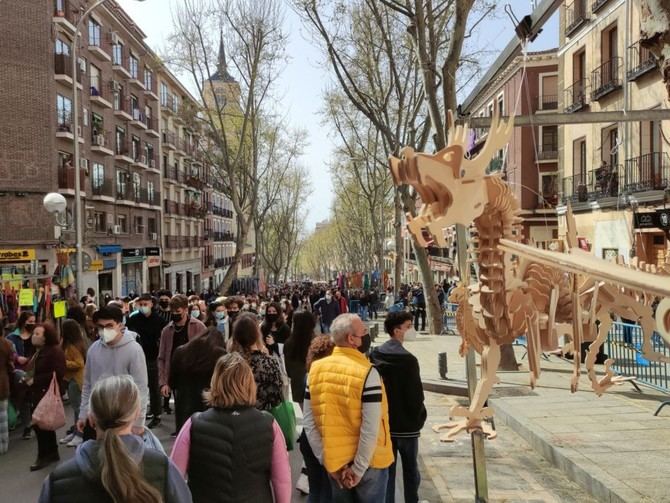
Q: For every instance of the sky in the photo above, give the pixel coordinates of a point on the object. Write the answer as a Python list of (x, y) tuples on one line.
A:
[(306, 77)]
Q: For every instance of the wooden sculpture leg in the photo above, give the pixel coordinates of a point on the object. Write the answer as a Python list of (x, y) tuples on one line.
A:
[(577, 341), (534, 349), (473, 416), (610, 379)]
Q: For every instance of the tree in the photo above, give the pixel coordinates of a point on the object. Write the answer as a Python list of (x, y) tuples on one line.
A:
[(385, 55), (237, 109)]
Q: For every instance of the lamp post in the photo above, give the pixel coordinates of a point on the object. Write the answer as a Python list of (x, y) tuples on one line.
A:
[(77, 178)]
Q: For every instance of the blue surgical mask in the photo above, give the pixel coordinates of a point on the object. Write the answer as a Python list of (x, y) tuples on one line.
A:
[(145, 310), (195, 313), (220, 316)]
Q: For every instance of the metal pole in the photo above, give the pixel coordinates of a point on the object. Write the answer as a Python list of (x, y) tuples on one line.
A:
[(476, 437), (77, 178)]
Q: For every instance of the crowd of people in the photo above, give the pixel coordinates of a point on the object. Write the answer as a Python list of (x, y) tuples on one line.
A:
[(225, 367)]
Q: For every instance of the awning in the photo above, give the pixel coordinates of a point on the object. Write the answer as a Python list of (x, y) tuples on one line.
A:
[(108, 249), (132, 260)]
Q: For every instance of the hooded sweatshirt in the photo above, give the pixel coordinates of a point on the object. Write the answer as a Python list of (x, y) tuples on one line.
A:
[(126, 357), (399, 370), (87, 461)]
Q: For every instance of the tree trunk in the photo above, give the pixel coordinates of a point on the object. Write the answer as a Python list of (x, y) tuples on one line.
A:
[(399, 245), (231, 273), (508, 358)]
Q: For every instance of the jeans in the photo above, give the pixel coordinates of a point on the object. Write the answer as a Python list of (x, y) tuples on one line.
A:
[(155, 398), (371, 488), (408, 449), (363, 313), (325, 328), (319, 481), (74, 393), (4, 426), (419, 312)]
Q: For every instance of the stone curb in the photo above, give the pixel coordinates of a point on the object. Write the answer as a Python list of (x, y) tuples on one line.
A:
[(596, 481)]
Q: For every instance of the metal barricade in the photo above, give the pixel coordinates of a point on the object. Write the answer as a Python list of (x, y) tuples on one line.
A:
[(624, 345), (449, 319)]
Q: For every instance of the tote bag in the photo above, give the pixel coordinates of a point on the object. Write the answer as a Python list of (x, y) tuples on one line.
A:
[(49, 415), (284, 414)]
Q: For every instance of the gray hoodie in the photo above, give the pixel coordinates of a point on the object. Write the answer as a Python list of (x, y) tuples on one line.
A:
[(88, 462), (123, 358)]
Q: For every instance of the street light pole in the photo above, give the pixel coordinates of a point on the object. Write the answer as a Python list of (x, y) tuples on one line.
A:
[(79, 227)]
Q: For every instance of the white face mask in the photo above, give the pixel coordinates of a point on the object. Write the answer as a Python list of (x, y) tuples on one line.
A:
[(411, 334), (145, 309), (107, 334), (195, 313), (329, 298)]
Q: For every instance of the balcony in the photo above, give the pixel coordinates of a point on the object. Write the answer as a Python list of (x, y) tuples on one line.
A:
[(64, 126), (150, 88), (208, 261), (173, 242), (168, 104), (139, 119), (152, 127), (141, 161), (547, 102), (101, 143), (647, 172), (66, 175), (548, 152), (64, 15), (152, 164), (120, 64), (597, 5), (593, 186), (170, 207), (575, 96), (98, 95), (606, 78), (63, 69), (99, 47), (575, 16), (154, 198), (124, 191), (169, 140), (103, 189), (136, 80), (124, 152), (193, 180), (122, 108), (641, 61)]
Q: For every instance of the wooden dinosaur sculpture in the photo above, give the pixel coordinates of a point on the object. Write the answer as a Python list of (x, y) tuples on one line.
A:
[(521, 290)]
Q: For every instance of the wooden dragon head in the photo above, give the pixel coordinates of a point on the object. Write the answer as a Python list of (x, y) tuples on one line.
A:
[(451, 186)]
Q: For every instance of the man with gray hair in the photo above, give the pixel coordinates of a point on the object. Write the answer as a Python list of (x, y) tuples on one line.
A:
[(346, 416)]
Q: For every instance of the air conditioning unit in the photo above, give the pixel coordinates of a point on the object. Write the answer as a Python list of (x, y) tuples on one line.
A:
[(115, 86), (154, 236), (117, 229), (79, 131), (99, 140)]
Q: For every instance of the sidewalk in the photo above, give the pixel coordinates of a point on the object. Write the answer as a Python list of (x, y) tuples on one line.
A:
[(612, 447)]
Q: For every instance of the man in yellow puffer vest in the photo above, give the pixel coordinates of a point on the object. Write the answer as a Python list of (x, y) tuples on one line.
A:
[(346, 416)]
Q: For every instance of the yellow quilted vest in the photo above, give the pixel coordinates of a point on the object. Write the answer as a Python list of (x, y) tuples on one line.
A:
[(336, 389)]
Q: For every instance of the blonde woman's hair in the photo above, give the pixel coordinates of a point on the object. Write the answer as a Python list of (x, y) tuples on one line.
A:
[(232, 384), (115, 403)]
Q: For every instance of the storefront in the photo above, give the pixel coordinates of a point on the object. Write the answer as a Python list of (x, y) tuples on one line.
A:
[(651, 236), (154, 261), (106, 267), (132, 263)]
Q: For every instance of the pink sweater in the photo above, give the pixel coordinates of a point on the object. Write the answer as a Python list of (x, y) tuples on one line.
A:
[(281, 469)]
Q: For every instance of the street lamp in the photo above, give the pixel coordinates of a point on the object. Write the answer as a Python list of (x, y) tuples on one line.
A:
[(77, 179)]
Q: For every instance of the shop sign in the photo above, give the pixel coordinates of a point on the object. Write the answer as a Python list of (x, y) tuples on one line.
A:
[(153, 251), (23, 255), (97, 265), (663, 219), (109, 263), (644, 220), (131, 252), (153, 261)]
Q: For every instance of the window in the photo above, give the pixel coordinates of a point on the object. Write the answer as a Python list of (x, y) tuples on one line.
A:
[(151, 226), (93, 33), (139, 225), (579, 158), (120, 141), (175, 103), (118, 95), (148, 78), (549, 138), (164, 94), (151, 194), (98, 176), (100, 221), (149, 152), (134, 103), (136, 147), (549, 92), (122, 222), (650, 137), (501, 105), (62, 47), (95, 80), (489, 110), (133, 66), (117, 54), (578, 66), (121, 177), (63, 112), (137, 186)]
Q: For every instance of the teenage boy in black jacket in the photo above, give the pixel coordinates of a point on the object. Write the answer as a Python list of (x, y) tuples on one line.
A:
[(399, 370)]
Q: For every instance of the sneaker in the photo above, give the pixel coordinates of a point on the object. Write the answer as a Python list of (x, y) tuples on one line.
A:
[(148, 417), (76, 440), (66, 438), (27, 434), (155, 421), (302, 484)]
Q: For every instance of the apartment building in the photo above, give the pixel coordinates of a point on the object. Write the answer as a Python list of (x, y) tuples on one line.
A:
[(184, 182), (530, 162), (118, 137), (615, 175)]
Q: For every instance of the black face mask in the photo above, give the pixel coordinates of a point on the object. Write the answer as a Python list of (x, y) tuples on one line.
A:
[(272, 317), (176, 317), (164, 304), (233, 314), (29, 327), (366, 342)]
